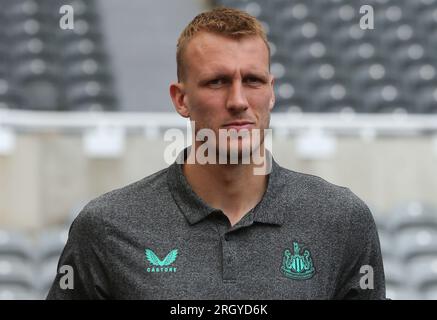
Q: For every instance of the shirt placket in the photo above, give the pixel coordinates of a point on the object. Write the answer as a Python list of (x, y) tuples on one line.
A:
[(229, 245), (229, 253)]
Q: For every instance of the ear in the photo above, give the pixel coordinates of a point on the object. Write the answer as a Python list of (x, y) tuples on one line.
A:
[(177, 93), (273, 98)]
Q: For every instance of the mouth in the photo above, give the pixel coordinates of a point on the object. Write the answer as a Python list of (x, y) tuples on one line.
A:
[(239, 125)]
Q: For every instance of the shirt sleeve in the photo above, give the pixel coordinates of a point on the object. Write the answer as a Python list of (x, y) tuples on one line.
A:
[(84, 253), (362, 273)]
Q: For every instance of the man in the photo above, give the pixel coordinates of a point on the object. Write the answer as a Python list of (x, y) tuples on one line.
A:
[(218, 231)]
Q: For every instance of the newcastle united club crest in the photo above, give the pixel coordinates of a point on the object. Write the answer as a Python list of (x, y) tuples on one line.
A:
[(297, 266)]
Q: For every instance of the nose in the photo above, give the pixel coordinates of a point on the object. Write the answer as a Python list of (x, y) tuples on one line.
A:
[(237, 101)]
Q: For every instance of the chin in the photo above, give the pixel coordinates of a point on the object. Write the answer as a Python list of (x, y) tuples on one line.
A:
[(242, 152)]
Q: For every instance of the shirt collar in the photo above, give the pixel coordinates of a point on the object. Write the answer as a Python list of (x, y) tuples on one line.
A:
[(195, 209)]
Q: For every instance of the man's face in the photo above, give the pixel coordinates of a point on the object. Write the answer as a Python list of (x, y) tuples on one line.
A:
[(226, 81)]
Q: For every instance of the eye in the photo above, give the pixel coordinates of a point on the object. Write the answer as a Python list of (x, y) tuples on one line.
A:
[(254, 80), (216, 82)]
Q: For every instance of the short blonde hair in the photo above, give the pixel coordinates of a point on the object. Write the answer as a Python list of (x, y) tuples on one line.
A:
[(224, 21)]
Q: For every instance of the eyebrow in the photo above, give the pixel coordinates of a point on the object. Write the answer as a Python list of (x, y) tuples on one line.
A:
[(257, 74), (225, 75)]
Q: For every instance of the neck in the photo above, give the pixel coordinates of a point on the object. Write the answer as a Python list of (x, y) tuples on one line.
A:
[(232, 188)]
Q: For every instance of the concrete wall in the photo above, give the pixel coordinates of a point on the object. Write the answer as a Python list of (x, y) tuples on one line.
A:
[(141, 37), (48, 174)]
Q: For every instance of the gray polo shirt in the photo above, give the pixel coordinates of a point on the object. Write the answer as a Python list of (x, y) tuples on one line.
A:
[(156, 239)]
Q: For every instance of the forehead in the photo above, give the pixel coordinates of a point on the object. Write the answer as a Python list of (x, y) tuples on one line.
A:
[(208, 52)]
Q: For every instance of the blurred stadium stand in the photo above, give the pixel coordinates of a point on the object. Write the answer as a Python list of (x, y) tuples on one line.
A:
[(323, 63), (28, 262), (316, 46), (46, 68), (319, 47)]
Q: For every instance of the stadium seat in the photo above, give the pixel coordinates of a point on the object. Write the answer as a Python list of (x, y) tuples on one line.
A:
[(16, 271), (358, 55), (89, 95), (10, 98), (29, 28), (430, 291), (421, 75), (39, 83), (318, 73), (414, 243), (289, 97), (28, 268), (427, 21), (51, 242), (300, 34), (397, 281), (47, 271), (412, 214), (388, 246), (394, 272), (417, 8), (388, 98), (23, 9), (15, 243), (332, 96), (81, 49), (409, 54), (422, 273), (402, 293), (17, 292), (337, 16), (87, 70), (426, 100), (372, 74), (311, 53), (288, 15), (390, 14), (33, 48), (84, 9), (397, 35), (351, 35), (82, 29), (431, 42)]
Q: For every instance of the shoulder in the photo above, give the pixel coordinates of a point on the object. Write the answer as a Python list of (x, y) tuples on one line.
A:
[(120, 203), (328, 211), (324, 198), (135, 191)]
